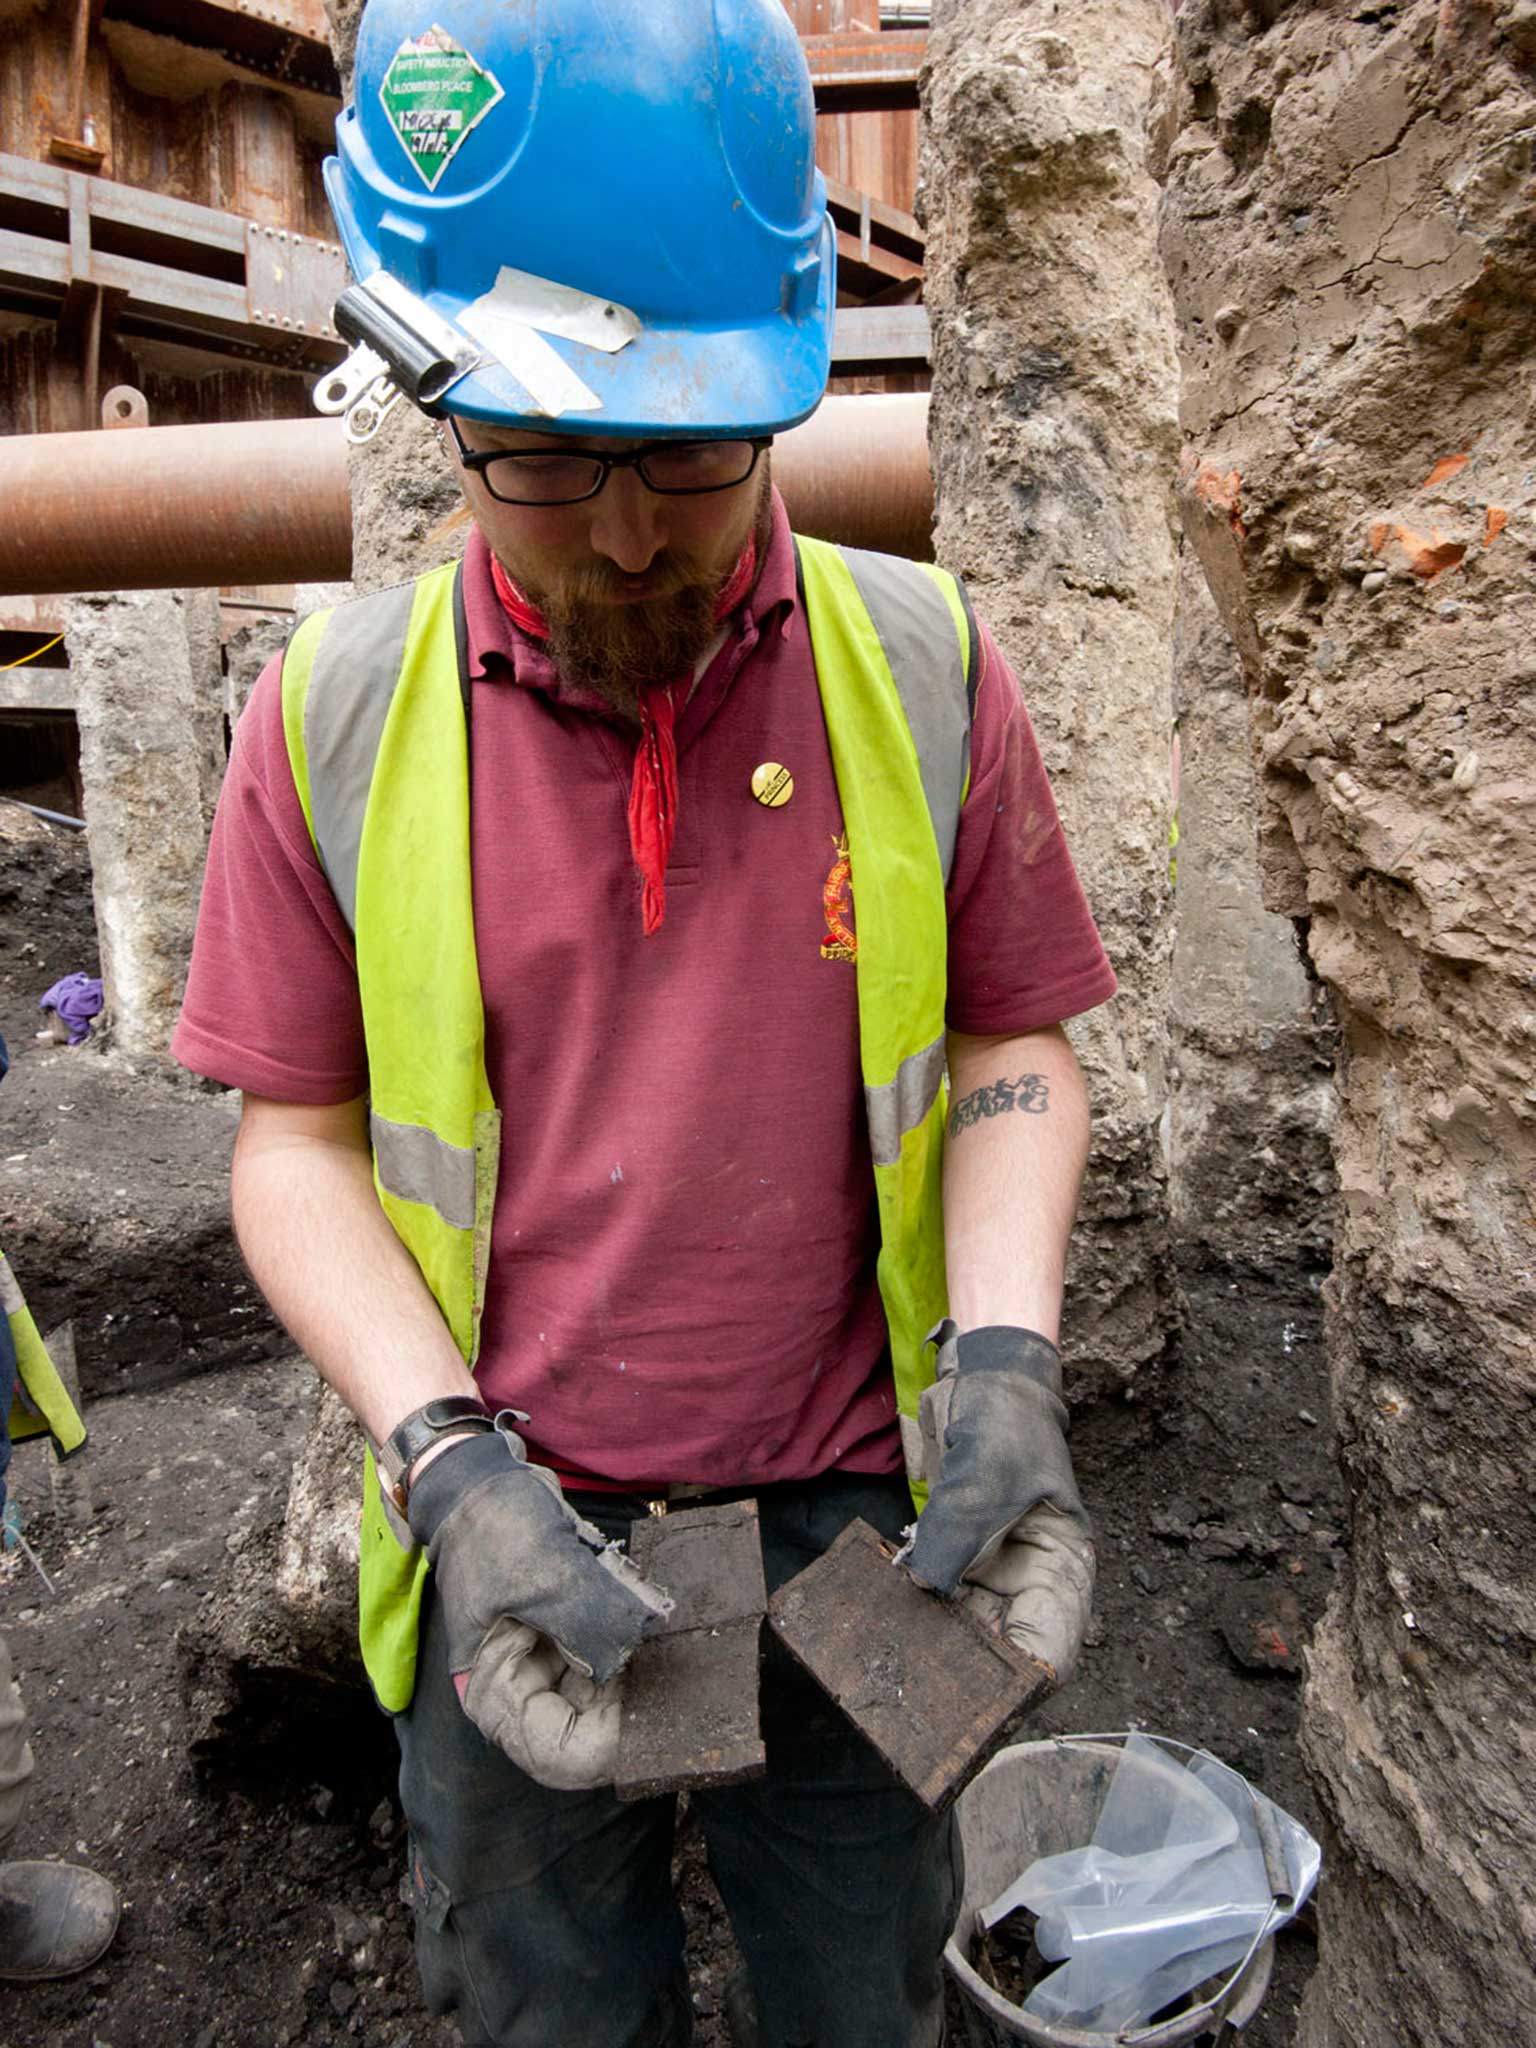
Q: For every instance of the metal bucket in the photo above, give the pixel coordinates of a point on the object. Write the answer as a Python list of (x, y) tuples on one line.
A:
[(1039, 1799)]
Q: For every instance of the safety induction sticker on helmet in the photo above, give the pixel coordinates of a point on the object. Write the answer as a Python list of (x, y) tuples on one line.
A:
[(434, 93)]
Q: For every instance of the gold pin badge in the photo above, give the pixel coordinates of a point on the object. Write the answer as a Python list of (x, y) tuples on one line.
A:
[(772, 784)]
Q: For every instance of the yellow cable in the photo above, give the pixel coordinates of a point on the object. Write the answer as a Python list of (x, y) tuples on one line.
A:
[(22, 660)]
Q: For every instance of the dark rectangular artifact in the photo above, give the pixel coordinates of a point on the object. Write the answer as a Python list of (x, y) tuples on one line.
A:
[(690, 1690), (916, 1675)]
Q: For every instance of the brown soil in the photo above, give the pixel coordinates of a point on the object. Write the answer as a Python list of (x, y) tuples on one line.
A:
[(260, 1876)]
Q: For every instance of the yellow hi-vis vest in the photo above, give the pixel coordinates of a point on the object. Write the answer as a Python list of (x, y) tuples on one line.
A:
[(374, 701), (41, 1400)]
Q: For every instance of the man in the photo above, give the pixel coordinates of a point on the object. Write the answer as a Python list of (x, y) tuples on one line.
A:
[(588, 927), (55, 1918)]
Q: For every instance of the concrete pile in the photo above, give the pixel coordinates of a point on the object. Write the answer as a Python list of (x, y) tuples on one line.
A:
[(143, 752), (1053, 443)]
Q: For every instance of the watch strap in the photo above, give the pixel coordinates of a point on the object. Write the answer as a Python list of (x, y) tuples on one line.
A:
[(449, 1415)]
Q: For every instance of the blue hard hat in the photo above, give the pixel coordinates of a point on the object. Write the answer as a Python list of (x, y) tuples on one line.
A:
[(617, 200)]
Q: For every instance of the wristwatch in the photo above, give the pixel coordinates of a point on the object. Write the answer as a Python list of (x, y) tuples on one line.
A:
[(450, 1415)]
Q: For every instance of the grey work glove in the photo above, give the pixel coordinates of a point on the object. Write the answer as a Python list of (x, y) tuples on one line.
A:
[(541, 1610), (1003, 1515)]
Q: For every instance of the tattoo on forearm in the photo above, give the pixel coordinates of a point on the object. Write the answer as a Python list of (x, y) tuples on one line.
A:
[(1030, 1093)]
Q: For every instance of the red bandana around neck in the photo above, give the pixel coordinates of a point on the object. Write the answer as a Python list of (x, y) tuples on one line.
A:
[(653, 790)]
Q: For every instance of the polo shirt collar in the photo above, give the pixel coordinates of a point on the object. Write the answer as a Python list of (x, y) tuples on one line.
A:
[(496, 644)]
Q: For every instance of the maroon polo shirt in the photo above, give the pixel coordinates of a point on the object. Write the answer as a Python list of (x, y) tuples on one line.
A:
[(683, 1256)]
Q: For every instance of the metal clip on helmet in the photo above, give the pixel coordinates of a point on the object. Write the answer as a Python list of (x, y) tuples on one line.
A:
[(400, 346), (586, 216)]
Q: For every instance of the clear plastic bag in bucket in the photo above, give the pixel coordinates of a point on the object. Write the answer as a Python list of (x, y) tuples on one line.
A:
[(1188, 1869)]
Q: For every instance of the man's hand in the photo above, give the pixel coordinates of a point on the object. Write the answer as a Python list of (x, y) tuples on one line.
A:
[(541, 1612), (1003, 1515), (554, 1724)]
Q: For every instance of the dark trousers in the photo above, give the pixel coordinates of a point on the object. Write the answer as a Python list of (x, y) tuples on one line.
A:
[(546, 1919)]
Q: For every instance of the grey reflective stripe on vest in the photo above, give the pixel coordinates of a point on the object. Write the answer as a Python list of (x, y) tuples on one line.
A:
[(917, 633), (901, 1105), (418, 1166), (351, 686)]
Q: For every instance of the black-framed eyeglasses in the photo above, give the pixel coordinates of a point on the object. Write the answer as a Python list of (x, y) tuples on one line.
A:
[(549, 476)]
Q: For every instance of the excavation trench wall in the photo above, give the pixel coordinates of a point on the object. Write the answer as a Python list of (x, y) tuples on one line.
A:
[(1348, 231)]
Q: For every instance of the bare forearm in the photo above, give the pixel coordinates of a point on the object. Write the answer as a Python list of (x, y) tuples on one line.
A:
[(323, 1253), (1015, 1147)]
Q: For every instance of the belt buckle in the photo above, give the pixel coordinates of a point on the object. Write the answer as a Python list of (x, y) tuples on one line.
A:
[(680, 1493)]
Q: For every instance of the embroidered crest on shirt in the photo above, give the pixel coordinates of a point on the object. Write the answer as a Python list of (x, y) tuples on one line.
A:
[(837, 902)]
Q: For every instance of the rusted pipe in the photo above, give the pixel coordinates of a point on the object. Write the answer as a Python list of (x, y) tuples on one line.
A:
[(174, 508), (266, 501), (857, 472)]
